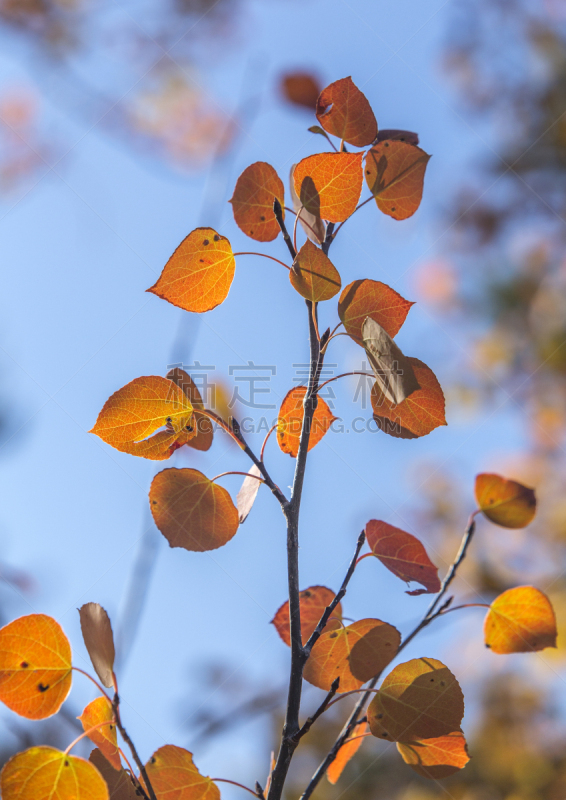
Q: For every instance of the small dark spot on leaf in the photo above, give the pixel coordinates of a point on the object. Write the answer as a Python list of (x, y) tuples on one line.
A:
[(168, 419), (392, 208), (189, 428), (66, 763), (152, 760), (251, 233), (367, 171), (201, 260), (385, 733), (154, 502), (306, 593), (43, 688), (24, 665), (387, 144), (432, 680), (216, 237), (487, 645), (262, 218), (205, 241), (442, 683), (421, 566), (332, 635), (379, 716)]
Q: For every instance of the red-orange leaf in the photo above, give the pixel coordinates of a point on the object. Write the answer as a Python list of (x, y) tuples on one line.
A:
[(418, 414), (329, 184), (367, 298), (35, 666), (191, 511), (505, 502), (355, 654), (312, 601), (394, 173), (174, 776), (44, 773), (346, 752), (252, 202), (436, 758), (120, 787), (100, 710), (301, 89), (290, 421), (200, 272), (314, 275), (520, 620), (344, 111), (403, 554), (202, 440)]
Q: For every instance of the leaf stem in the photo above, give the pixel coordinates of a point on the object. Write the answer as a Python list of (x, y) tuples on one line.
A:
[(236, 472), (357, 208), (234, 783), (465, 605), (345, 375), (96, 683), (264, 255), (267, 435), (303, 220), (86, 733)]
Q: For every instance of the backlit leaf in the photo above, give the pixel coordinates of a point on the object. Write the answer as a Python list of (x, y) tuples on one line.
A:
[(248, 493), (44, 773), (200, 272), (393, 371), (520, 620), (355, 654), (202, 440), (119, 785), (314, 275), (312, 225), (174, 776), (367, 298), (252, 202), (402, 554), (313, 602), (301, 89), (346, 752), (436, 758), (416, 416), (505, 502), (420, 698), (394, 173), (191, 511), (100, 710), (344, 111), (290, 421), (329, 184), (35, 666), (99, 641)]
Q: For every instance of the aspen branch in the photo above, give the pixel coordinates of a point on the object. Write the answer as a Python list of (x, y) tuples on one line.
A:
[(134, 752)]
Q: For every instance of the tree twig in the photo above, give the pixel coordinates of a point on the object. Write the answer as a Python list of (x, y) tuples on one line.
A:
[(320, 710), (134, 752)]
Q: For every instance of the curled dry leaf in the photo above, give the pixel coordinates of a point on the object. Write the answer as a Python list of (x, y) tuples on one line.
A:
[(344, 111), (373, 299), (347, 752), (252, 201), (35, 666), (173, 775), (505, 502), (290, 421), (416, 416), (329, 185), (100, 710), (199, 274), (313, 601), (314, 275), (120, 787), (394, 373), (520, 620), (300, 89), (312, 225), (99, 641), (420, 698), (436, 758), (204, 434), (248, 493), (402, 554), (191, 511), (395, 173), (356, 654), (44, 773)]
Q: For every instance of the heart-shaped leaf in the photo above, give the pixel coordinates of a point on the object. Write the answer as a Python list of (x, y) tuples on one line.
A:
[(174, 776), (252, 203), (367, 298), (402, 554), (100, 710), (120, 786), (520, 620), (436, 758), (290, 421), (395, 173), (44, 773), (313, 602), (314, 275), (394, 373), (344, 111), (329, 185), (505, 502)]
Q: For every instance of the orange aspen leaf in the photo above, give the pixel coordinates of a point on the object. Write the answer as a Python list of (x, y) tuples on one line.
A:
[(356, 654), (505, 502), (313, 601), (520, 620), (344, 111), (312, 225), (420, 698), (290, 421), (252, 202), (248, 493), (301, 89), (394, 173), (204, 434), (436, 758), (314, 275), (346, 752), (394, 374), (100, 710), (367, 298), (402, 554), (120, 786), (191, 511), (44, 773), (199, 274), (329, 184), (419, 414), (99, 641), (174, 776), (35, 666)]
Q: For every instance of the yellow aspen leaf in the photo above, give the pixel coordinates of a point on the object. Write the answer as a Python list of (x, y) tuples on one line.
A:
[(344, 111), (394, 373), (367, 298), (312, 601), (402, 554), (120, 786), (520, 620), (419, 414), (44, 773), (252, 203), (329, 184), (204, 433), (199, 274), (505, 502), (35, 666), (356, 654), (314, 275), (290, 421), (99, 641), (248, 493), (346, 752), (436, 758), (100, 710), (420, 698), (174, 776), (395, 173), (191, 511)]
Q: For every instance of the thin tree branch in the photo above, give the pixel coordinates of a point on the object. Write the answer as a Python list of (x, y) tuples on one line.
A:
[(237, 434), (134, 752), (320, 710), (278, 211)]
